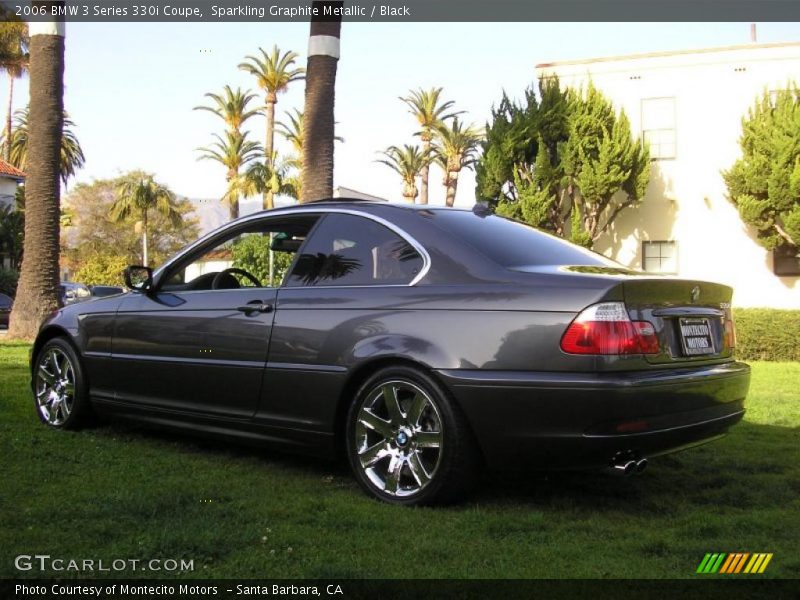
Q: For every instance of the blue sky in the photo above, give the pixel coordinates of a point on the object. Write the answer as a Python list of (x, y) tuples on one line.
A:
[(131, 87)]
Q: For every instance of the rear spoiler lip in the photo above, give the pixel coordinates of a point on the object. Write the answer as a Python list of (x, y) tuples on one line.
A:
[(690, 311)]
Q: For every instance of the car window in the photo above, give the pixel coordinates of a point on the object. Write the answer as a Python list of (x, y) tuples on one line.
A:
[(513, 244), (242, 258), (348, 250), (5, 301)]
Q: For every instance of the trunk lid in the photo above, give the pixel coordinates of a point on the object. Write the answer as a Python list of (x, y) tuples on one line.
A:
[(692, 318)]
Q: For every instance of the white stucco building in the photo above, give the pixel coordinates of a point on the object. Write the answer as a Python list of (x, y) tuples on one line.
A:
[(10, 178), (688, 105)]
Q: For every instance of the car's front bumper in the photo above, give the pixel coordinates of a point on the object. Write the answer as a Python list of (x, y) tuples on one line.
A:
[(575, 420)]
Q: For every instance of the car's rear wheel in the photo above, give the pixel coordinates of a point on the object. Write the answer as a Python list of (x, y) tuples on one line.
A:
[(407, 441), (59, 386)]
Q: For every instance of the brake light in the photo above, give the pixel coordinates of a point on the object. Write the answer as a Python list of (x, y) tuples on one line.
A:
[(606, 328), (730, 330)]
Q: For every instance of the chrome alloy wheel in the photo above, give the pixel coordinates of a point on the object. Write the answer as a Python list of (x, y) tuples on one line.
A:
[(55, 386), (398, 438)]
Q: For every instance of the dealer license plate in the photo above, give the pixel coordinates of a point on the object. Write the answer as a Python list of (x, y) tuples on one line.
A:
[(696, 336)]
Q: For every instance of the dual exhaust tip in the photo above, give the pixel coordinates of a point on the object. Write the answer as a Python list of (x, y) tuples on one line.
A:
[(627, 466)]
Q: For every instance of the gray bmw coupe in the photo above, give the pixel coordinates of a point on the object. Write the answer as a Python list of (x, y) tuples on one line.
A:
[(421, 342)]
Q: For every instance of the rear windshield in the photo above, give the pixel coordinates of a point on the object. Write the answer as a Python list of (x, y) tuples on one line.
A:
[(514, 244)]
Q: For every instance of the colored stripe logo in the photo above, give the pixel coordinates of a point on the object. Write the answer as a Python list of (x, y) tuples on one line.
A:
[(734, 562)]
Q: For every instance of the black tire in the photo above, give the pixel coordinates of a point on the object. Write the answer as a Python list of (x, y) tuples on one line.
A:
[(383, 450), (58, 404)]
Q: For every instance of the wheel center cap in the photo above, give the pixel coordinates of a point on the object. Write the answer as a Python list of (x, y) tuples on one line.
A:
[(402, 438)]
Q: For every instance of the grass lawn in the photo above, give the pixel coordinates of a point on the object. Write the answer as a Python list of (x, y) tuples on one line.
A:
[(119, 492)]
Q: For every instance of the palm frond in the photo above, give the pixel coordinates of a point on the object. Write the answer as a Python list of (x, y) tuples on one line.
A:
[(230, 106), (426, 107), (273, 71), (72, 156)]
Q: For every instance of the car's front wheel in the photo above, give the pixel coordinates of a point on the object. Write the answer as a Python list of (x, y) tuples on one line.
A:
[(59, 386), (407, 441)]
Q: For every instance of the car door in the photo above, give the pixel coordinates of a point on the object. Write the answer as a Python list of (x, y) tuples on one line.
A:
[(198, 341), (345, 287)]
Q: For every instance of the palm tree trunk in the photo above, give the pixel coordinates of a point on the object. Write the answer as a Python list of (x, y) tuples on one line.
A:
[(8, 116), (144, 238), (233, 203), (425, 172), (323, 57), (452, 186), (267, 200), (37, 293)]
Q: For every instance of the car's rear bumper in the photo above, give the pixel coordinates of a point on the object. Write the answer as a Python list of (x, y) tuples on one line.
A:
[(575, 420)]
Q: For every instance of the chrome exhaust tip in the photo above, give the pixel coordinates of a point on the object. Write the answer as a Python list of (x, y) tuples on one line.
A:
[(624, 468)]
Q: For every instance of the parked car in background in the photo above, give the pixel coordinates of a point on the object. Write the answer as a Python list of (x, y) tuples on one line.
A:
[(6, 303), (71, 292), (421, 342), (101, 291)]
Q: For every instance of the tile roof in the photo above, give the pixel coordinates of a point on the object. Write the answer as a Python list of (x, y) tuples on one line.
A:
[(10, 171)]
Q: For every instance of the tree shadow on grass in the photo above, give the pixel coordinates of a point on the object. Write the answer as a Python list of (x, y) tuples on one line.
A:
[(223, 447), (754, 466)]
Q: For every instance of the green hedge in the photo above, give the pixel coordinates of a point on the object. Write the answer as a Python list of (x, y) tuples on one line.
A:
[(767, 334)]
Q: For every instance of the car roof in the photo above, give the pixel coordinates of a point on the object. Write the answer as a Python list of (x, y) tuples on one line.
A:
[(358, 203)]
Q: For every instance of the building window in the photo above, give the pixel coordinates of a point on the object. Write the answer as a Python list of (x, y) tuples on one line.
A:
[(660, 257), (786, 263), (658, 126)]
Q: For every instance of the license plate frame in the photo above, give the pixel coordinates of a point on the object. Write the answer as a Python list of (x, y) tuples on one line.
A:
[(697, 337)]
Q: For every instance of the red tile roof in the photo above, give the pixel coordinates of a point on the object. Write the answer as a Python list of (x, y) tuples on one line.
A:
[(9, 171)]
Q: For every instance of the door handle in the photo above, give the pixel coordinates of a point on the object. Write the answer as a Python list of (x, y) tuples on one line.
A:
[(255, 306)]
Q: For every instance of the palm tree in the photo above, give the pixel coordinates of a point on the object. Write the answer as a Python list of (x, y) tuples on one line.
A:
[(408, 162), (234, 151), (71, 159), (14, 58), (456, 148), (292, 132), (260, 177), (430, 114), (231, 107), (139, 194), (273, 72), (37, 293), (323, 57)]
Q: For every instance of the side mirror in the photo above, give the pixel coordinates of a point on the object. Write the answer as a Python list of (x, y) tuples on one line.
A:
[(138, 278)]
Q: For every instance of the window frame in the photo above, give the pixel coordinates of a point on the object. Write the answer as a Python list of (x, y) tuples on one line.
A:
[(674, 128), (646, 243), (213, 239), (401, 233), (162, 274), (778, 272)]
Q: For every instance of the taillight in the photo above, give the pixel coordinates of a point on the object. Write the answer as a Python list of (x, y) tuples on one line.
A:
[(730, 330), (606, 328)]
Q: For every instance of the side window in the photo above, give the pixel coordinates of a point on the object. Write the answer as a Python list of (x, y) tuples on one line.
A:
[(257, 256), (347, 250)]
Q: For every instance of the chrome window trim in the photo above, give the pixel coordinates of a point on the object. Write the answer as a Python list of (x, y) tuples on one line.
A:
[(293, 211)]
